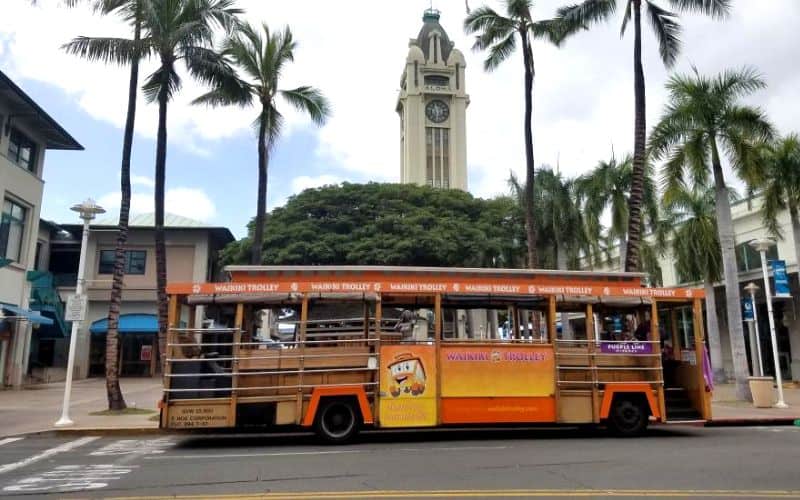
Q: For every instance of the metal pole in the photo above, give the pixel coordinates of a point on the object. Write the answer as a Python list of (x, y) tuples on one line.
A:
[(65, 421), (758, 335), (779, 379)]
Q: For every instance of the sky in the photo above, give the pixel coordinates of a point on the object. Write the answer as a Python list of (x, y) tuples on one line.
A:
[(354, 51)]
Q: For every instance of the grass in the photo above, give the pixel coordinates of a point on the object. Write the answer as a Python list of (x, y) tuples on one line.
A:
[(126, 411)]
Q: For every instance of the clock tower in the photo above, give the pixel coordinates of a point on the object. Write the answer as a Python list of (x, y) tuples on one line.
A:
[(432, 106)]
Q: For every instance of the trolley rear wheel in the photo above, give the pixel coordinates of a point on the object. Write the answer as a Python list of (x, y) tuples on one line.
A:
[(337, 421), (628, 417)]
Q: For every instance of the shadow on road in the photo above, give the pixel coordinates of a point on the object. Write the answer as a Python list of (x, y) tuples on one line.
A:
[(303, 438)]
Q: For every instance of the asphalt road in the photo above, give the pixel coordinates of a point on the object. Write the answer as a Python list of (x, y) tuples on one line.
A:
[(690, 462)]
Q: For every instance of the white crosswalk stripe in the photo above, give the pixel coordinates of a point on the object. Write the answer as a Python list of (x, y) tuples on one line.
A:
[(47, 453), (10, 440)]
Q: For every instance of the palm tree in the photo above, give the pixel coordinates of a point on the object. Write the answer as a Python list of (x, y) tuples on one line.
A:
[(667, 30), (498, 34), (696, 252), (609, 187), (93, 50), (781, 186), (262, 59), (702, 120), (172, 31)]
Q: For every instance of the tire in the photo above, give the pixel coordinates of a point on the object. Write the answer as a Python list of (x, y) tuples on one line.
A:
[(337, 421), (628, 417)]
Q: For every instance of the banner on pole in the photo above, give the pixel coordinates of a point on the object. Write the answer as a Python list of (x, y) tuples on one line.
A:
[(747, 304), (781, 279)]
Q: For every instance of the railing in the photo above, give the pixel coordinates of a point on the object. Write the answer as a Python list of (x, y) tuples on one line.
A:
[(203, 362), (591, 363)]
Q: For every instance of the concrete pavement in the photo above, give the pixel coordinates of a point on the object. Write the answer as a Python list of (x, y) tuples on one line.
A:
[(669, 462), (726, 409)]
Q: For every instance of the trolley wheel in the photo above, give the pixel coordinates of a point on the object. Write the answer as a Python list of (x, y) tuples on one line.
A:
[(629, 416), (337, 421)]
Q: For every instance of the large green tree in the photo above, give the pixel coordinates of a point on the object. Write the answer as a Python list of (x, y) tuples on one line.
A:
[(780, 186), (694, 241), (97, 49), (388, 224), (262, 56), (667, 30), (499, 35), (703, 121)]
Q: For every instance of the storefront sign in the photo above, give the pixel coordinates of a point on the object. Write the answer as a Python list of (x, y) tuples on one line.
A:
[(747, 305), (146, 353), (408, 386), (626, 347), (76, 308), (781, 279)]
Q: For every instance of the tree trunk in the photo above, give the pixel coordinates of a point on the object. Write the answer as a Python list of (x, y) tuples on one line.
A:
[(795, 218), (161, 250), (623, 252), (261, 204), (116, 401), (733, 301), (639, 138), (530, 226), (561, 263), (714, 344)]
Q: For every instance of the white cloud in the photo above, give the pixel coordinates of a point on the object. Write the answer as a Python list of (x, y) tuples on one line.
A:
[(188, 202), (583, 94), (143, 180), (304, 182)]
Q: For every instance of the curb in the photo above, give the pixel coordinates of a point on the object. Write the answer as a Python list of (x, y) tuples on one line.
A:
[(748, 422), (118, 431)]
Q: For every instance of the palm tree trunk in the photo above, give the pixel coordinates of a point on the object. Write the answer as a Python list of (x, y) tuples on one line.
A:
[(161, 250), (639, 138), (795, 218), (116, 401), (712, 325), (530, 227), (261, 205), (733, 300)]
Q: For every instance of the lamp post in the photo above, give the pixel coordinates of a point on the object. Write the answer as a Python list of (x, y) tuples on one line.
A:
[(752, 288), (761, 246), (87, 210)]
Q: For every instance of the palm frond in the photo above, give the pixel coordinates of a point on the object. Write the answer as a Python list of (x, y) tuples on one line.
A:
[(164, 79), (500, 51), (718, 9), (587, 12), (311, 101), (732, 84), (555, 30), (626, 17), (667, 30), (120, 51)]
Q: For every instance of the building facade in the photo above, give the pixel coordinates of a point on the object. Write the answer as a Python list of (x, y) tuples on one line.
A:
[(192, 255), (432, 106), (26, 132)]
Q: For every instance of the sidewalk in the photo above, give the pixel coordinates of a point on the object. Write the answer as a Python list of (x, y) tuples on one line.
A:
[(726, 410), (35, 409)]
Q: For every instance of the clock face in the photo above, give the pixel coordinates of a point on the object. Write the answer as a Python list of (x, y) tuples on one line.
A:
[(437, 111)]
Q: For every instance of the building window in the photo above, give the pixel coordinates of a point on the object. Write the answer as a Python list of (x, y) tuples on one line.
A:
[(22, 150), (437, 80), (134, 261), (747, 259), (12, 230), (437, 157)]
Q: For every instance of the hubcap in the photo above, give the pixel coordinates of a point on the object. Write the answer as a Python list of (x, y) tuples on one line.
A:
[(338, 420)]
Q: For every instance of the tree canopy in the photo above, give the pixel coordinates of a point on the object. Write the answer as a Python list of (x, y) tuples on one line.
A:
[(389, 224)]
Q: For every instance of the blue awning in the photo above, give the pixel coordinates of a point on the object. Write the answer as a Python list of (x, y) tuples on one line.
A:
[(32, 316), (128, 323)]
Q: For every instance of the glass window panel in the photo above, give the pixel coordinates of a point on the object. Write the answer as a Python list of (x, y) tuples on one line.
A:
[(136, 262), (12, 230), (107, 258)]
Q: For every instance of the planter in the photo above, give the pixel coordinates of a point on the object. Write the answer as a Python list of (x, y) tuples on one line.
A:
[(761, 388)]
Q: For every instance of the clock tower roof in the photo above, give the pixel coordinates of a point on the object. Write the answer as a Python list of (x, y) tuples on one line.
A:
[(431, 27)]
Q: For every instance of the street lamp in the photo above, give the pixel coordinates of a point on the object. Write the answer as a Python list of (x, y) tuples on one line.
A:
[(87, 210), (752, 288), (761, 246)]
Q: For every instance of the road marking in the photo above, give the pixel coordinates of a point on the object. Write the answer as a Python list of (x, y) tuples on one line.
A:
[(48, 453), (493, 493), (9, 440), (134, 447), (71, 478)]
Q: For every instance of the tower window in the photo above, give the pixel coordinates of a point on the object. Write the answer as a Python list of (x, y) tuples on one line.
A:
[(437, 80), (437, 157)]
